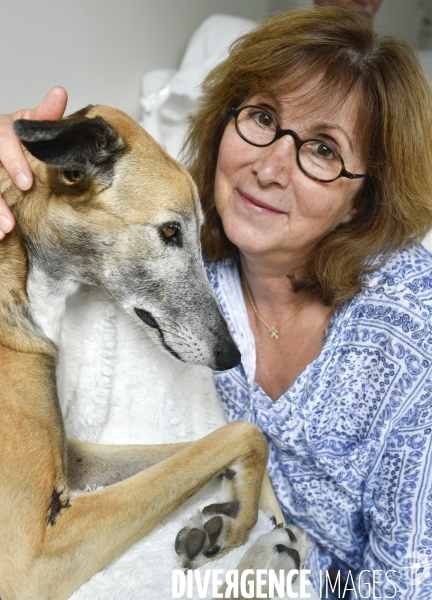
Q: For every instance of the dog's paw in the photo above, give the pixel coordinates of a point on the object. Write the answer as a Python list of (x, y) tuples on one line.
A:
[(283, 548), (205, 535)]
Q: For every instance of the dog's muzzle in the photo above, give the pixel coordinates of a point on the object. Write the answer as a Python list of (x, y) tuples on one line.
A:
[(226, 354)]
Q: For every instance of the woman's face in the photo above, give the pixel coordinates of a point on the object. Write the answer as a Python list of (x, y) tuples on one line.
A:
[(268, 206)]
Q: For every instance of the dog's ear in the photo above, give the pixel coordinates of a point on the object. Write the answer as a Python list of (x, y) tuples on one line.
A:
[(80, 149)]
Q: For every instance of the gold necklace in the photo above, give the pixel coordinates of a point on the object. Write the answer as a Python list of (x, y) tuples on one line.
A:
[(273, 331)]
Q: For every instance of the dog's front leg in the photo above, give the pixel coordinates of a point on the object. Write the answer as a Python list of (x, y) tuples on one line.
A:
[(54, 539), (94, 465), (268, 501)]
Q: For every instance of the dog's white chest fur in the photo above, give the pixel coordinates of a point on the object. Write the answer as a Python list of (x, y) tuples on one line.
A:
[(48, 301)]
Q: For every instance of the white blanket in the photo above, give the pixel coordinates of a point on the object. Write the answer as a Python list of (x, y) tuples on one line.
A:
[(116, 387)]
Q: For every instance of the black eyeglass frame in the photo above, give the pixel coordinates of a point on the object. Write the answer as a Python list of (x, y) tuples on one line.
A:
[(298, 143)]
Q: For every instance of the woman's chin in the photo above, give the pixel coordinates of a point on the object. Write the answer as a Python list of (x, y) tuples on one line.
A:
[(253, 242)]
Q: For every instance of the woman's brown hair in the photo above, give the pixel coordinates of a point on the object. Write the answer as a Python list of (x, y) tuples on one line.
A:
[(339, 50)]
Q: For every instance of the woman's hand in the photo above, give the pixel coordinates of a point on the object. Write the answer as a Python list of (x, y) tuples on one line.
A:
[(11, 155)]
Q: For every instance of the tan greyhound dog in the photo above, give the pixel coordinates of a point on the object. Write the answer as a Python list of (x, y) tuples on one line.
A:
[(108, 207)]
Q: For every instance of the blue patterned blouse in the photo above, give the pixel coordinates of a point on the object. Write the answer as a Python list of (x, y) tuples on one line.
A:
[(350, 440)]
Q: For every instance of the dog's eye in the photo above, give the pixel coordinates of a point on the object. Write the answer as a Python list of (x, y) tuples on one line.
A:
[(170, 233), (169, 230)]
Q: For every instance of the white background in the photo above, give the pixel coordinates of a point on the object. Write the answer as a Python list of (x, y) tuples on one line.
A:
[(99, 49)]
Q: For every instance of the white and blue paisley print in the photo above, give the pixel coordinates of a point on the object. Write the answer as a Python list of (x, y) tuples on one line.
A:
[(350, 441)]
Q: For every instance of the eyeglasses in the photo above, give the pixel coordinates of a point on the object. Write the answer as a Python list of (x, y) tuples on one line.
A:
[(317, 159)]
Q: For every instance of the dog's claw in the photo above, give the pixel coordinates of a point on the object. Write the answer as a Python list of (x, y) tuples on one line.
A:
[(212, 551), (291, 535)]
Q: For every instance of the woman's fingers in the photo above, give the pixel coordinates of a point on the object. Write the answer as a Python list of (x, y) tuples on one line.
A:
[(11, 155), (52, 106), (7, 220)]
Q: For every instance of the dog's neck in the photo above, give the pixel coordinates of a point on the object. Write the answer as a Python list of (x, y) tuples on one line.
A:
[(19, 330), (31, 302), (47, 301)]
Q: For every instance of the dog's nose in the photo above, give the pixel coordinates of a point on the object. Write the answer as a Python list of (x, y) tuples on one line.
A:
[(227, 357)]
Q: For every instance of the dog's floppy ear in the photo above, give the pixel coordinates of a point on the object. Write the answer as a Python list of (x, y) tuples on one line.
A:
[(79, 148)]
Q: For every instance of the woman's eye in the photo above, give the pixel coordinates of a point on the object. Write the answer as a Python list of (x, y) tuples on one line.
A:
[(263, 119), (324, 151)]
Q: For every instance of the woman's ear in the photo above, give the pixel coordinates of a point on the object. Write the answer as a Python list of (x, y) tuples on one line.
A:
[(350, 214)]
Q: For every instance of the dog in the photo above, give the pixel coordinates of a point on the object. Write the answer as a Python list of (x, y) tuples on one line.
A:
[(108, 207)]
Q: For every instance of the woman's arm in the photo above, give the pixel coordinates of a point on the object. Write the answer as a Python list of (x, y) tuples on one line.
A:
[(398, 509), (11, 156)]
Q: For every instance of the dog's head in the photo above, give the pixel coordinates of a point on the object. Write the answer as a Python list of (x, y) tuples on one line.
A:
[(110, 207)]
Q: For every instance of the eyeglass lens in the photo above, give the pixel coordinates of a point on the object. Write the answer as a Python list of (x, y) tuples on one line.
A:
[(315, 157)]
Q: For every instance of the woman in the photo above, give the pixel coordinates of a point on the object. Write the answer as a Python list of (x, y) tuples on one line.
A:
[(312, 153), (312, 262)]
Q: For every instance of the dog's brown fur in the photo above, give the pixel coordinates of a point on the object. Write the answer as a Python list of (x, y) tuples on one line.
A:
[(53, 537)]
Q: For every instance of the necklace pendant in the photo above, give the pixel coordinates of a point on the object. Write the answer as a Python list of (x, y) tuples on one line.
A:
[(273, 332)]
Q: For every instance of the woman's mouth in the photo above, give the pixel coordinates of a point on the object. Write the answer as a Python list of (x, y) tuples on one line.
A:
[(257, 205)]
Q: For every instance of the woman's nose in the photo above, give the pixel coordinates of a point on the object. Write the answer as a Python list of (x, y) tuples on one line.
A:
[(275, 163)]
